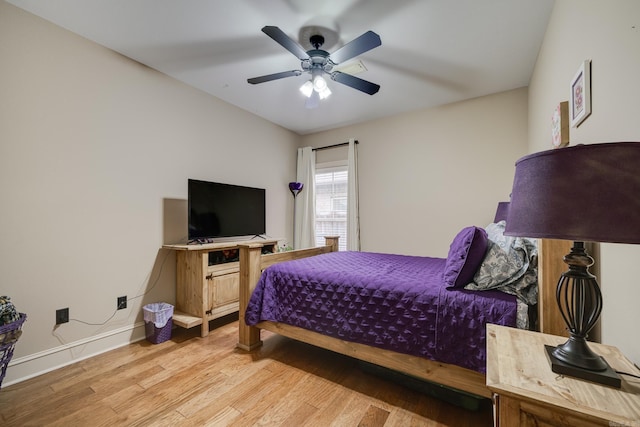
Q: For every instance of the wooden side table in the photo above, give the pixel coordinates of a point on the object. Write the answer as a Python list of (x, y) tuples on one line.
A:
[(527, 393)]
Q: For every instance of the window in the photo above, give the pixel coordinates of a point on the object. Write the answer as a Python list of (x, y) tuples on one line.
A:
[(331, 203)]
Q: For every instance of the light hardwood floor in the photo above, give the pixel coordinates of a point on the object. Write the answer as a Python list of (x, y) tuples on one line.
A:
[(193, 381)]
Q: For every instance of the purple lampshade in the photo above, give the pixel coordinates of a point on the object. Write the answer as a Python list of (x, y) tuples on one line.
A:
[(295, 188), (588, 193), (501, 212)]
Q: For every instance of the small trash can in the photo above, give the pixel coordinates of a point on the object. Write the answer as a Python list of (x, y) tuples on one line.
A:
[(158, 321)]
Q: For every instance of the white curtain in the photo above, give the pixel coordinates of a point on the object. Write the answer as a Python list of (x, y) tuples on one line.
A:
[(305, 208), (353, 213)]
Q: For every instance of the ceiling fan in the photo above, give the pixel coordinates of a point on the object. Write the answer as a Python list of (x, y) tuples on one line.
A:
[(318, 62)]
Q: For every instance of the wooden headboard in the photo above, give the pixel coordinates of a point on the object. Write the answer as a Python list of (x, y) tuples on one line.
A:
[(550, 267)]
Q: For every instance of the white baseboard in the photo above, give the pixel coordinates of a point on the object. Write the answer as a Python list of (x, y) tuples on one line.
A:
[(32, 365)]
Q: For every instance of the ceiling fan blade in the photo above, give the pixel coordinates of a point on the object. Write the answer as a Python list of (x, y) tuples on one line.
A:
[(285, 41), (355, 82), (355, 47), (276, 76)]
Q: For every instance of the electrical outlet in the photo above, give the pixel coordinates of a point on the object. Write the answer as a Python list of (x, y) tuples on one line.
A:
[(62, 316), (122, 302)]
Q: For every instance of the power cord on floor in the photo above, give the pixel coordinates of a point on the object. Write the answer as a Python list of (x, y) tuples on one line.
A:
[(627, 374)]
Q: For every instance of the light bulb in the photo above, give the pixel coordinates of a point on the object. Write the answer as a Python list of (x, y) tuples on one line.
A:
[(307, 88), (319, 84), (324, 93)]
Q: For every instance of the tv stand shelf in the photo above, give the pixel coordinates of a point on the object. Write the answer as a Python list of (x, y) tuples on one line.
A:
[(207, 278)]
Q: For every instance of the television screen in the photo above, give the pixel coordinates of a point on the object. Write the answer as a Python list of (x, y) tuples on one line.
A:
[(225, 210)]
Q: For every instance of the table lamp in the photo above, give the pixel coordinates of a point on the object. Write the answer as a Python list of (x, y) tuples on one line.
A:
[(501, 212), (581, 193)]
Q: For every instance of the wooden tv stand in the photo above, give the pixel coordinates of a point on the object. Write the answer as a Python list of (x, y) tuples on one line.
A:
[(207, 278)]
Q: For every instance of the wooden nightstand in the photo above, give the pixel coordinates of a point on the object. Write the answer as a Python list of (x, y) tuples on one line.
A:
[(527, 393)]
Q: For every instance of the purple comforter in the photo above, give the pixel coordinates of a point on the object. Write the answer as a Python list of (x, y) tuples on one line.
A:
[(394, 302)]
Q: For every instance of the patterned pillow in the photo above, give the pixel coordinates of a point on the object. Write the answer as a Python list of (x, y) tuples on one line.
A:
[(510, 265), (465, 256)]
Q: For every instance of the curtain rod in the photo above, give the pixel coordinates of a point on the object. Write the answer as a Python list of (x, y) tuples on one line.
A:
[(333, 146)]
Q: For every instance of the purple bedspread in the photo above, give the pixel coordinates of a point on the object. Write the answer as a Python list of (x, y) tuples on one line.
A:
[(394, 302)]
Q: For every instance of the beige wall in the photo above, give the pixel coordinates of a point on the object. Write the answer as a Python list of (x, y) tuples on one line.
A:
[(95, 153), (427, 174), (608, 33)]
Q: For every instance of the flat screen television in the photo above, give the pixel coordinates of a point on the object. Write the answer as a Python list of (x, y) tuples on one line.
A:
[(224, 210)]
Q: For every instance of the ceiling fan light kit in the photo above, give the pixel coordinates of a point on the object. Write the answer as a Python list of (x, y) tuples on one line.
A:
[(317, 84), (318, 62)]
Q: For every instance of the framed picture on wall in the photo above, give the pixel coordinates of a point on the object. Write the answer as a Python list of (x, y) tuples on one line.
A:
[(560, 125), (580, 99)]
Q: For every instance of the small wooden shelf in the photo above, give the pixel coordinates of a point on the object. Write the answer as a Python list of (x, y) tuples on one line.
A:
[(186, 320)]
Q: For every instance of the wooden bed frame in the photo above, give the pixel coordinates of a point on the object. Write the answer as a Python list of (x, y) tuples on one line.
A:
[(252, 263)]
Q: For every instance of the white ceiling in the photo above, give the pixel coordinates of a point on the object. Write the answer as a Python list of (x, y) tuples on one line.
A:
[(433, 52)]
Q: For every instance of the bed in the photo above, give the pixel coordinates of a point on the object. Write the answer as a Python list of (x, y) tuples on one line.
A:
[(421, 316)]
